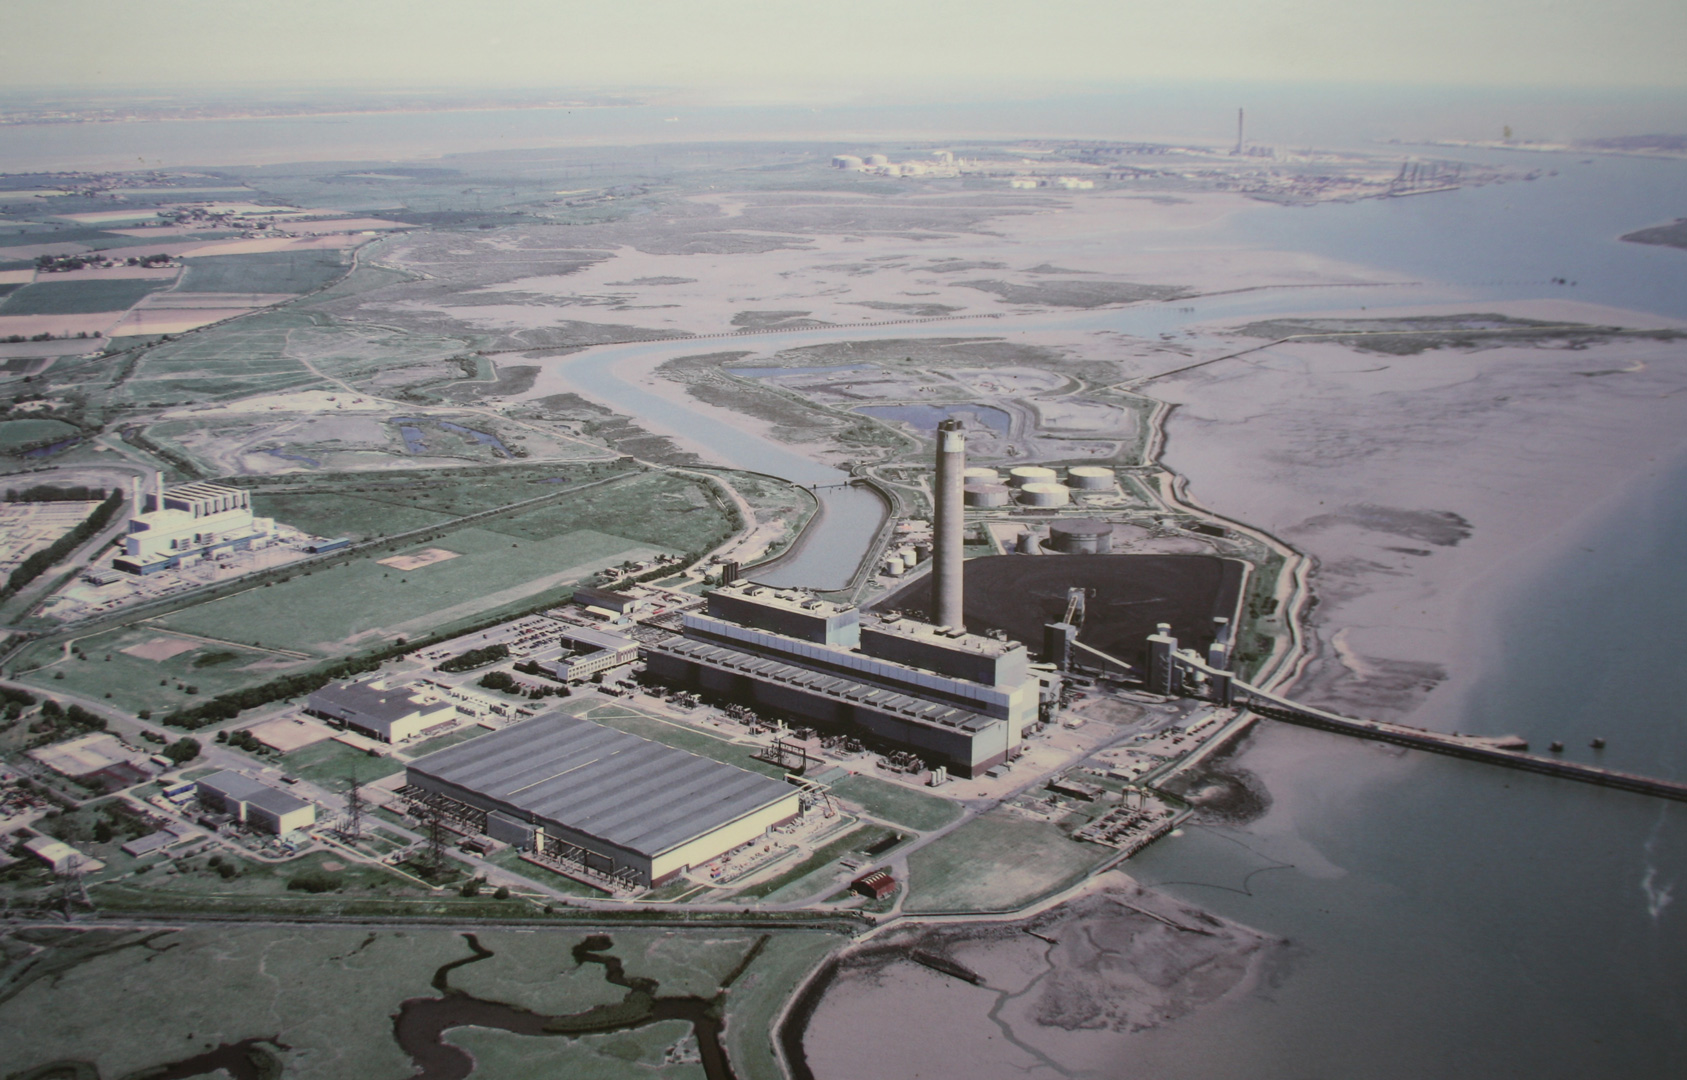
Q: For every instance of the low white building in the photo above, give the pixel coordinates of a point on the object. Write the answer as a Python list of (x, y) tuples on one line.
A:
[(186, 523), (60, 857)]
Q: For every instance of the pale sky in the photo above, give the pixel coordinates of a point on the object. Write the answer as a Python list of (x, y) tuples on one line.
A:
[(795, 49)]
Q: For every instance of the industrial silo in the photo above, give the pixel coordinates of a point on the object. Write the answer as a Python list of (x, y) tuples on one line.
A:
[(1044, 495), (1082, 536), (1090, 478), (979, 475), (1032, 474), (987, 495)]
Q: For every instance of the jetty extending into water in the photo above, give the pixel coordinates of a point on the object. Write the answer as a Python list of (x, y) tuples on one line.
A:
[(1469, 747), (1510, 752)]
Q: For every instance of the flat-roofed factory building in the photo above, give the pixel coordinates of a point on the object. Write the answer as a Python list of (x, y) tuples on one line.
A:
[(257, 805), (591, 651), (612, 804), (965, 700), (388, 713)]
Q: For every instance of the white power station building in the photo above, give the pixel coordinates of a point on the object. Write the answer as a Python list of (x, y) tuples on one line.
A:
[(188, 522)]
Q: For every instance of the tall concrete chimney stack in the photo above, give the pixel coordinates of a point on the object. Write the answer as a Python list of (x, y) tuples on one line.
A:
[(946, 528)]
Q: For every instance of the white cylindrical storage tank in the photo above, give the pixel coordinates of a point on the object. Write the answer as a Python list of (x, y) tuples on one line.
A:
[(986, 495), (1045, 495), (909, 559), (1089, 478), (877, 159), (1083, 536), (846, 161), (1032, 474), (893, 567), (981, 476)]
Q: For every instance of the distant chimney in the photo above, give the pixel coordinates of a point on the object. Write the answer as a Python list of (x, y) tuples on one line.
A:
[(947, 538)]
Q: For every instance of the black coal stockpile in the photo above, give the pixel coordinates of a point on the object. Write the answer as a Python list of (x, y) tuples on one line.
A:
[(1127, 596)]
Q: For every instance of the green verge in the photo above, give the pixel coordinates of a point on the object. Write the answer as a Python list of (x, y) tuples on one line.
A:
[(997, 862), (896, 804), (330, 765), (860, 837)]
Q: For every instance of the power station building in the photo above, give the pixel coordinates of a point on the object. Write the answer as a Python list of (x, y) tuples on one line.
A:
[(189, 522), (609, 803), (961, 699)]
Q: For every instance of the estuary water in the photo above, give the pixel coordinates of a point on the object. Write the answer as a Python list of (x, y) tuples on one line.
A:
[(1450, 920)]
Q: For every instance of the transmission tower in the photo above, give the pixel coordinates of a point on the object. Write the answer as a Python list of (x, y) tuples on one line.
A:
[(354, 810), (436, 841)]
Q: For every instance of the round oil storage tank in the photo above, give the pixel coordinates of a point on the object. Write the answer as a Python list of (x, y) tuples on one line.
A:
[(1045, 495), (1082, 536), (1089, 478), (1032, 474), (981, 476), (986, 495)]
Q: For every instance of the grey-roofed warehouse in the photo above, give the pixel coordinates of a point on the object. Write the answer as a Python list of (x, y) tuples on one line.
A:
[(617, 804)]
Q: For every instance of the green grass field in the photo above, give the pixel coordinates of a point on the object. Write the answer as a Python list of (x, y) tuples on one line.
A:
[(997, 862), (897, 804), (329, 764), (79, 297), (308, 612), (250, 356), (669, 513), (133, 682), (411, 499), (265, 272), (358, 516), (442, 742), (17, 433)]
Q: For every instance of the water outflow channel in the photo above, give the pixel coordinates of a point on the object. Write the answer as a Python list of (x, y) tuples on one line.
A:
[(838, 539)]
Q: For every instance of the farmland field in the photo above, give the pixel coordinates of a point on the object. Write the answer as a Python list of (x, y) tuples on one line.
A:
[(267, 272), (79, 297)]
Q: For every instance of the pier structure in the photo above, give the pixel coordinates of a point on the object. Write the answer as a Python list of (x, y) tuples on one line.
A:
[(1170, 665)]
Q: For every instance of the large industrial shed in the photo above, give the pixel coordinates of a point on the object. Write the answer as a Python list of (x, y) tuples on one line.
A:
[(613, 803)]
